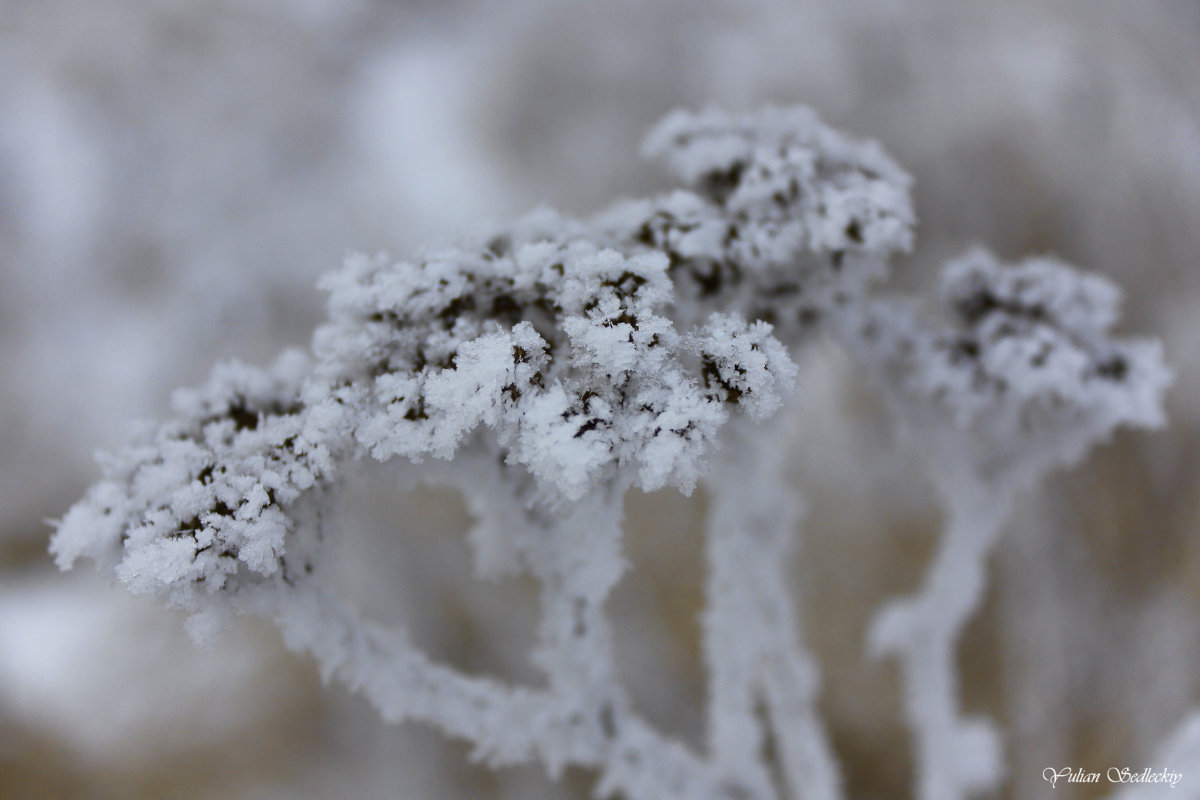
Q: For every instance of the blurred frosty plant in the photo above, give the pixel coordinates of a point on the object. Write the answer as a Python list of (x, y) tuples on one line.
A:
[(547, 366)]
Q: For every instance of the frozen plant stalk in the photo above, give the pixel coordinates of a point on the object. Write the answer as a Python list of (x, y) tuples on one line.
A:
[(547, 366)]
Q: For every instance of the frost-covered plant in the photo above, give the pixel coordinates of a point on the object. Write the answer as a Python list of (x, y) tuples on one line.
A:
[(545, 367)]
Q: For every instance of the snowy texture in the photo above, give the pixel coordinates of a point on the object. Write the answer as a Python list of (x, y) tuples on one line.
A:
[(562, 348), (544, 367), (785, 220), (1027, 379)]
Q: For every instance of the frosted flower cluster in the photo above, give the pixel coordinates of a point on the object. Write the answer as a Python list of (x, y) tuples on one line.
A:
[(1027, 359), (560, 346), (546, 366), (785, 220), (1025, 378), (194, 503)]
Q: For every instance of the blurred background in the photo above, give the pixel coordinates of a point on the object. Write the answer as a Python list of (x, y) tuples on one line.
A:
[(175, 175)]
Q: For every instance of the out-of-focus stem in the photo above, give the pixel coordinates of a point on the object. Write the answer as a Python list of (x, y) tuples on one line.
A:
[(577, 558), (581, 718), (507, 725), (752, 640), (955, 756)]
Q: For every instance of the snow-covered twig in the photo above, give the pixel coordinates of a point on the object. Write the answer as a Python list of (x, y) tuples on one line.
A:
[(1027, 380), (545, 367), (751, 537)]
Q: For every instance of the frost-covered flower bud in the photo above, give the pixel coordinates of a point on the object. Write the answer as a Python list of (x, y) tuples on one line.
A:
[(1028, 371), (217, 498), (564, 349), (784, 219)]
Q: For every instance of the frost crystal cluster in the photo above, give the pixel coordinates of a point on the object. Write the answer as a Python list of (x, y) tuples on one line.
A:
[(545, 367)]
